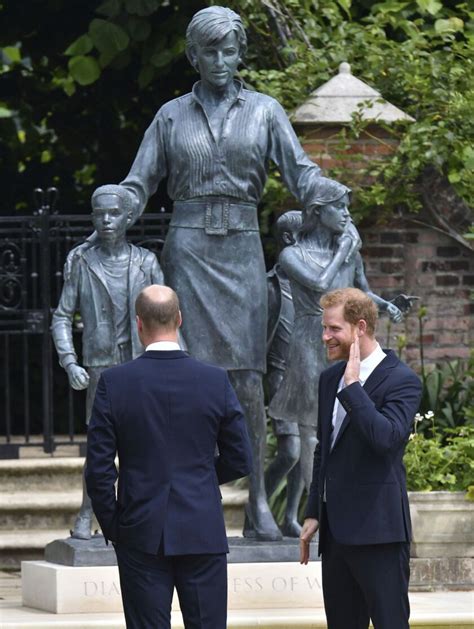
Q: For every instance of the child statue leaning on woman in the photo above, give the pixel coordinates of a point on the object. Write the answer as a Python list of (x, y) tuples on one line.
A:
[(320, 260)]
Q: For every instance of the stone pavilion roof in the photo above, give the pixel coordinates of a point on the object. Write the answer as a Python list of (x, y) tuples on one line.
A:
[(335, 102)]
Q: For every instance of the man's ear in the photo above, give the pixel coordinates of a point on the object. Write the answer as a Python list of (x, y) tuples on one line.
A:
[(361, 327), (129, 217), (139, 323), (180, 319)]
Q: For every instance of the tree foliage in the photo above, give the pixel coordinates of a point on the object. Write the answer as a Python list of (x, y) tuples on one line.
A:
[(418, 55), (80, 81)]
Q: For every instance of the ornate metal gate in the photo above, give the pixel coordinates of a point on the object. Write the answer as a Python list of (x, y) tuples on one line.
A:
[(37, 407)]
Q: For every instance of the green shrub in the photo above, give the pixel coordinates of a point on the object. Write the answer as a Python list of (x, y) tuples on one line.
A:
[(448, 391), (442, 461)]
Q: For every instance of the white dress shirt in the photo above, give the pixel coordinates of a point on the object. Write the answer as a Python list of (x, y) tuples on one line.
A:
[(163, 346)]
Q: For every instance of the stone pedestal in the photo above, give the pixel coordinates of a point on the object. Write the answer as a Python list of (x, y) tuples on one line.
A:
[(81, 576), (66, 589)]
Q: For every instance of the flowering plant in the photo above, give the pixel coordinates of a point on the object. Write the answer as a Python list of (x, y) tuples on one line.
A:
[(440, 461)]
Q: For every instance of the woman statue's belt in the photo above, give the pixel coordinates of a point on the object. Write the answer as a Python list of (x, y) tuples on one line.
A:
[(215, 215)]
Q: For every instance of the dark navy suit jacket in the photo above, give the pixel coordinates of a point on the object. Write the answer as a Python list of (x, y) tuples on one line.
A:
[(366, 497), (164, 414)]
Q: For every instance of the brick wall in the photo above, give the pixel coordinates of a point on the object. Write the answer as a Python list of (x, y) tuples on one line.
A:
[(421, 261), (323, 144)]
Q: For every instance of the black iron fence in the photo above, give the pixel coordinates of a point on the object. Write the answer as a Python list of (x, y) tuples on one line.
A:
[(37, 406)]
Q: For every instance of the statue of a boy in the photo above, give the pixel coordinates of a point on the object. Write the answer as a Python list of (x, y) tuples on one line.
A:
[(101, 282)]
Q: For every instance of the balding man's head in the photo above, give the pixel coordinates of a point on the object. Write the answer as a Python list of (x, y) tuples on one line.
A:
[(157, 309)]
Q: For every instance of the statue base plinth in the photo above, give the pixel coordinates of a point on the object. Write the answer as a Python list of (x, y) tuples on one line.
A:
[(247, 550), (81, 552), (265, 582), (95, 552)]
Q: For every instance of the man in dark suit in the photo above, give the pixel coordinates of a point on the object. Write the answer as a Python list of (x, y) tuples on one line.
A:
[(179, 432), (358, 496)]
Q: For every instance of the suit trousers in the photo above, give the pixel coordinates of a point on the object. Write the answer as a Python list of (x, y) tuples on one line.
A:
[(147, 582), (367, 582)]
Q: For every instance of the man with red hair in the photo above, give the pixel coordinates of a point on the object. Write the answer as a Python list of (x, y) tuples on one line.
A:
[(358, 497)]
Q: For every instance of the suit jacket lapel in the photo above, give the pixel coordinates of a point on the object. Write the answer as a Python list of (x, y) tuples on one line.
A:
[(330, 399)]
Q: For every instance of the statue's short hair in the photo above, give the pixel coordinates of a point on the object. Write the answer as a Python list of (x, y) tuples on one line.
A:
[(158, 309), (357, 305), (210, 26), (322, 191), (288, 222), (124, 195)]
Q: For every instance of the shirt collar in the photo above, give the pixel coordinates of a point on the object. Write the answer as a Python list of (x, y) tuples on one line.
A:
[(238, 84), (370, 363), (163, 346)]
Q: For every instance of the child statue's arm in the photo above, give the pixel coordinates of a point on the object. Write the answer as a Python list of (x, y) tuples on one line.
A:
[(61, 326), (361, 282), (315, 275)]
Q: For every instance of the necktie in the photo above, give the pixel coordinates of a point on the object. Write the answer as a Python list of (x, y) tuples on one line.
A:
[(340, 414)]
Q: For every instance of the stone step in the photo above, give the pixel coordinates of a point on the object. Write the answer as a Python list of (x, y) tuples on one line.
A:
[(31, 483), (26, 545), (40, 510), (51, 474), (40, 498), (35, 540)]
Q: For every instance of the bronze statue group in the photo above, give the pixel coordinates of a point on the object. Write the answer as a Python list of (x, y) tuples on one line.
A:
[(343, 442)]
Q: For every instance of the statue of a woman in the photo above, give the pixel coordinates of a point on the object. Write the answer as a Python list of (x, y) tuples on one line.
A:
[(214, 146)]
